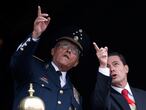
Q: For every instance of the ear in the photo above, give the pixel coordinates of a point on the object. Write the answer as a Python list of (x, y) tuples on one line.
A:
[(52, 51), (127, 68), (77, 62)]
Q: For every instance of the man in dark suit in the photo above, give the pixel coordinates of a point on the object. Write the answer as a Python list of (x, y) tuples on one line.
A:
[(55, 89), (112, 90)]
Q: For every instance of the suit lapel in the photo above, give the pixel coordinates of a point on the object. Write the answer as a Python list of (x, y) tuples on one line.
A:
[(137, 99), (121, 102)]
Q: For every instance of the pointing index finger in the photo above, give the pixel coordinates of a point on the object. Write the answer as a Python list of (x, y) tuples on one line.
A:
[(39, 11), (95, 46)]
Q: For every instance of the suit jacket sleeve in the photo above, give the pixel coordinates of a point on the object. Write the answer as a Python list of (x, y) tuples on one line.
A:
[(101, 92)]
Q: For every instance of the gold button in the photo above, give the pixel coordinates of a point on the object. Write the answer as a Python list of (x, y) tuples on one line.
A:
[(61, 91), (59, 102)]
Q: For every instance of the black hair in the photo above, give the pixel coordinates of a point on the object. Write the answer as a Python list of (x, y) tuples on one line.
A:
[(122, 58)]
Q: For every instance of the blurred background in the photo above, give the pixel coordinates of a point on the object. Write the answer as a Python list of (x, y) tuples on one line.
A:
[(120, 25)]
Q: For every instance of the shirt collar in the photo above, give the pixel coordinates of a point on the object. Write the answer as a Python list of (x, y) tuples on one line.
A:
[(57, 69), (120, 89)]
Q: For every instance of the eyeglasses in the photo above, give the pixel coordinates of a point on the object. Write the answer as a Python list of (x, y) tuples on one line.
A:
[(67, 46)]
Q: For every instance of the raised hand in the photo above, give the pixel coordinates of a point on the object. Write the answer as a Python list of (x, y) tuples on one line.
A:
[(40, 23), (102, 55)]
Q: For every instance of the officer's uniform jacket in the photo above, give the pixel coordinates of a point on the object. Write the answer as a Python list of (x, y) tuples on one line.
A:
[(27, 69)]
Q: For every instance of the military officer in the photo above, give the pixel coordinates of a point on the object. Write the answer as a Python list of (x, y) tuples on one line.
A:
[(50, 79)]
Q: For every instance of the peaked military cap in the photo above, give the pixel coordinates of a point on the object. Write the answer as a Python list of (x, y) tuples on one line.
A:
[(75, 35)]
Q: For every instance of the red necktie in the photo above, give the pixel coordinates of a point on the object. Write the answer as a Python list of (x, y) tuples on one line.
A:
[(125, 95)]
